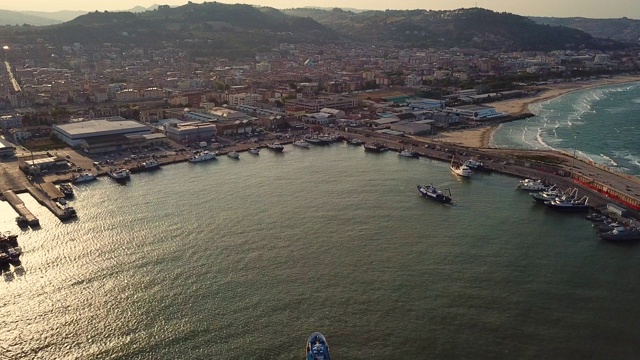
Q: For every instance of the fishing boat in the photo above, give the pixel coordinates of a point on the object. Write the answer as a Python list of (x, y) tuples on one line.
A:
[(548, 195), (84, 177), (151, 164), (621, 234), (119, 174), (430, 192), (354, 141), (301, 143), (277, 147), (317, 347), (460, 169), (254, 151), (201, 156), (375, 147), (318, 140), (408, 154), (569, 205), (66, 190), (233, 155), (532, 185), (476, 165), (597, 218)]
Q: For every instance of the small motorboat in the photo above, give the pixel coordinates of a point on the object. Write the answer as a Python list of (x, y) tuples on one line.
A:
[(317, 347)]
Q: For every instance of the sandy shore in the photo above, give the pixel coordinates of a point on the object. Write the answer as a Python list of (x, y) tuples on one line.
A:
[(481, 136)]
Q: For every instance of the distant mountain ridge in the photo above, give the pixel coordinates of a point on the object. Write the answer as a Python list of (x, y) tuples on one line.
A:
[(8, 17), (474, 27), (238, 30), (622, 29), (38, 18), (203, 29)]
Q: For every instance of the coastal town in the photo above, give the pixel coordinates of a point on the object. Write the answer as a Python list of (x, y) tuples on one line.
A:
[(200, 179), (89, 110)]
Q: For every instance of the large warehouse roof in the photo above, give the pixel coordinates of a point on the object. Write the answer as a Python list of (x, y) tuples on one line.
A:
[(92, 128)]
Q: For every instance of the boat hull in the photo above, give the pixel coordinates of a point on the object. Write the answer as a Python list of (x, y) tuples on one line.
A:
[(567, 208), (435, 196), (317, 347)]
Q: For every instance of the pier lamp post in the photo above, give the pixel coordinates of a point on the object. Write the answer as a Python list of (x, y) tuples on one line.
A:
[(575, 148)]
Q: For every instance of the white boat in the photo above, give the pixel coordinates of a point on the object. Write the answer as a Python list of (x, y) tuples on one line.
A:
[(84, 177), (569, 204), (356, 142), (277, 147), (254, 151), (151, 164), (409, 154), (301, 143), (233, 155), (202, 156), (119, 174), (460, 169), (532, 185)]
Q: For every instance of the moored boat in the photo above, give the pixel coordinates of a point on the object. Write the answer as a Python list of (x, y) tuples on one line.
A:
[(621, 234), (408, 154), (151, 164), (66, 190), (84, 177), (597, 218), (119, 174), (532, 185), (301, 143), (202, 156), (354, 141), (233, 155), (547, 195), (460, 169), (476, 165), (254, 151), (430, 192), (22, 221), (375, 147), (277, 147), (569, 205), (317, 347)]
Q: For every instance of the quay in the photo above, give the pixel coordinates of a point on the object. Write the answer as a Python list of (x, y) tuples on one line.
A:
[(48, 199), (19, 206), (600, 185)]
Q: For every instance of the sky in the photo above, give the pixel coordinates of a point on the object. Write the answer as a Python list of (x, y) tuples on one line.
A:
[(557, 8)]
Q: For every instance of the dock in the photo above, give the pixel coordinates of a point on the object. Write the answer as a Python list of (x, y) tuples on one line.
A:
[(44, 198), (20, 207)]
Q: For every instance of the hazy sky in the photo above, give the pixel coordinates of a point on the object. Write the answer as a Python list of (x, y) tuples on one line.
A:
[(560, 8)]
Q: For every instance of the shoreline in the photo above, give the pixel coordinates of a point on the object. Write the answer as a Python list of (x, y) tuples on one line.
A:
[(481, 137)]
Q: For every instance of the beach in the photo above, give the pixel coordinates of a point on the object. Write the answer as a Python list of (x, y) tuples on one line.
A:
[(481, 136)]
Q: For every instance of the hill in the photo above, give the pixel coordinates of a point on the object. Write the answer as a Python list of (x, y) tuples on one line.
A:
[(623, 29), (473, 27), (58, 16), (8, 17), (203, 29)]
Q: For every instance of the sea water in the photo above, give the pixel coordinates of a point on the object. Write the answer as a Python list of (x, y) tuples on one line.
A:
[(599, 124), (244, 259)]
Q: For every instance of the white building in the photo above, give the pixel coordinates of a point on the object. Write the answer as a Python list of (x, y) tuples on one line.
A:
[(75, 134), (475, 112)]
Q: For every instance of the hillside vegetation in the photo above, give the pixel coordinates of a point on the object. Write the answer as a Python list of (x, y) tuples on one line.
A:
[(464, 27)]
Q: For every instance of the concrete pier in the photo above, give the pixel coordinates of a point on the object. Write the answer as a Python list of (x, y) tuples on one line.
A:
[(43, 198), (20, 207)]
